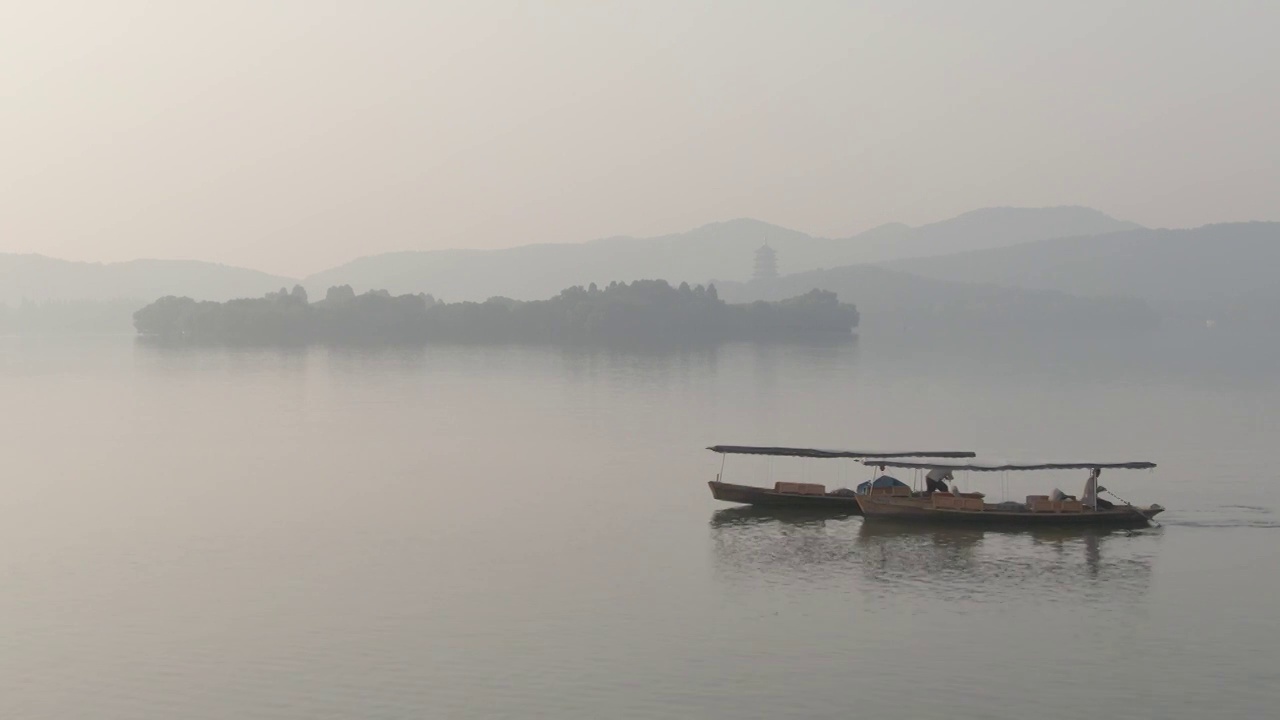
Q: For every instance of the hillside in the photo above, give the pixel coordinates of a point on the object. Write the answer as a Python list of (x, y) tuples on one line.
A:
[(897, 303), (536, 271), (36, 278), (983, 229), (1214, 273), (717, 251)]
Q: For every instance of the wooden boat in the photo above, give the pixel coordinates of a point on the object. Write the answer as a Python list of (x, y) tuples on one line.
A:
[(1038, 510), (811, 495)]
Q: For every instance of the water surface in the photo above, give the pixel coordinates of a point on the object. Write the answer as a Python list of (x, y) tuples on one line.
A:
[(524, 532)]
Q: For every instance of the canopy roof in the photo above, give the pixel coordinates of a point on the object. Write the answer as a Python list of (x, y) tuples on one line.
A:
[(994, 466), (812, 453)]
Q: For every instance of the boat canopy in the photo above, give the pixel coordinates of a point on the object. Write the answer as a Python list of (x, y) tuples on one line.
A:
[(995, 466), (814, 453)]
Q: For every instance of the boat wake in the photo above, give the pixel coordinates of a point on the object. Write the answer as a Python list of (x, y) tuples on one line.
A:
[(1226, 516), (1261, 524)]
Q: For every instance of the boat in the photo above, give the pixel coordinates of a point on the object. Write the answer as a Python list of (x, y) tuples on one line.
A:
[(813, 496), (1038, 510)]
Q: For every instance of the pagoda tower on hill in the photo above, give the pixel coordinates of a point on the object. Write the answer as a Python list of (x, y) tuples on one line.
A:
[(766, 264)]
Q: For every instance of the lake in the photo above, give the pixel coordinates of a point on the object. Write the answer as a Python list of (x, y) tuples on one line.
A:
[(513, 532)]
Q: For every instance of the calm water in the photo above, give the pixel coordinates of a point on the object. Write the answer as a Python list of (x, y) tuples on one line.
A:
[(508, 532)]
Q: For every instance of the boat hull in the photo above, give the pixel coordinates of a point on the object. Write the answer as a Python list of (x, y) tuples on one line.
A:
[(764, 497), (921, 510)]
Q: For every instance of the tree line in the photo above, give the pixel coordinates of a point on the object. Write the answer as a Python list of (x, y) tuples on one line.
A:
[(644, 311)]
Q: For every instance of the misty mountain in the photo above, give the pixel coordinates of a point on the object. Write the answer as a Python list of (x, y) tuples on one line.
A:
[(36, 278), (722, 250), (897, 303), (534, 271), (980, 230), (1216, 272)]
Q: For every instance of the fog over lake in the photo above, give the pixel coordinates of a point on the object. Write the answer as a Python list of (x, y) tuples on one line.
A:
[(503, 531), (361, 361)]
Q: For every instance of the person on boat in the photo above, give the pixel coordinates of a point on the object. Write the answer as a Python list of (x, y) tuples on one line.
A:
[(1091, 490), (936, 480)]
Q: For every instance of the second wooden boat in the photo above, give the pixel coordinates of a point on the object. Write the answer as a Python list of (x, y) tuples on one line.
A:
[(812, 495)]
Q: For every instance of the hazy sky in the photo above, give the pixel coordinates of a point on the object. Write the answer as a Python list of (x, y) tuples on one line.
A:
[(291, 136)]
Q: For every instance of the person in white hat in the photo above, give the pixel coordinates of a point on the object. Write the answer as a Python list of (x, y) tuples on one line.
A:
[(935, 481)]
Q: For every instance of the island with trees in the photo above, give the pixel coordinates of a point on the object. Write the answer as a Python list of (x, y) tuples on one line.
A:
[(644, 311)]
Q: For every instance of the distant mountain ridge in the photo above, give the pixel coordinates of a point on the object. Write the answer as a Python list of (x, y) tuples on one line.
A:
[(896, 303), (37, 278), (723, 250), (984, 229), (1207, 274), (1015, 271)]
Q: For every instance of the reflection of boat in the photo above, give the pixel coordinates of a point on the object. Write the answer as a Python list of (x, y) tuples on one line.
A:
[(915, 562), (888, 529), (1038, 510), (771, 514), (1003, 561), (811, 495)]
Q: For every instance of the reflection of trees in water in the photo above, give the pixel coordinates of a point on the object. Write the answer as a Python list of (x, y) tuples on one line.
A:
[(935, 563), (161, 354)]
